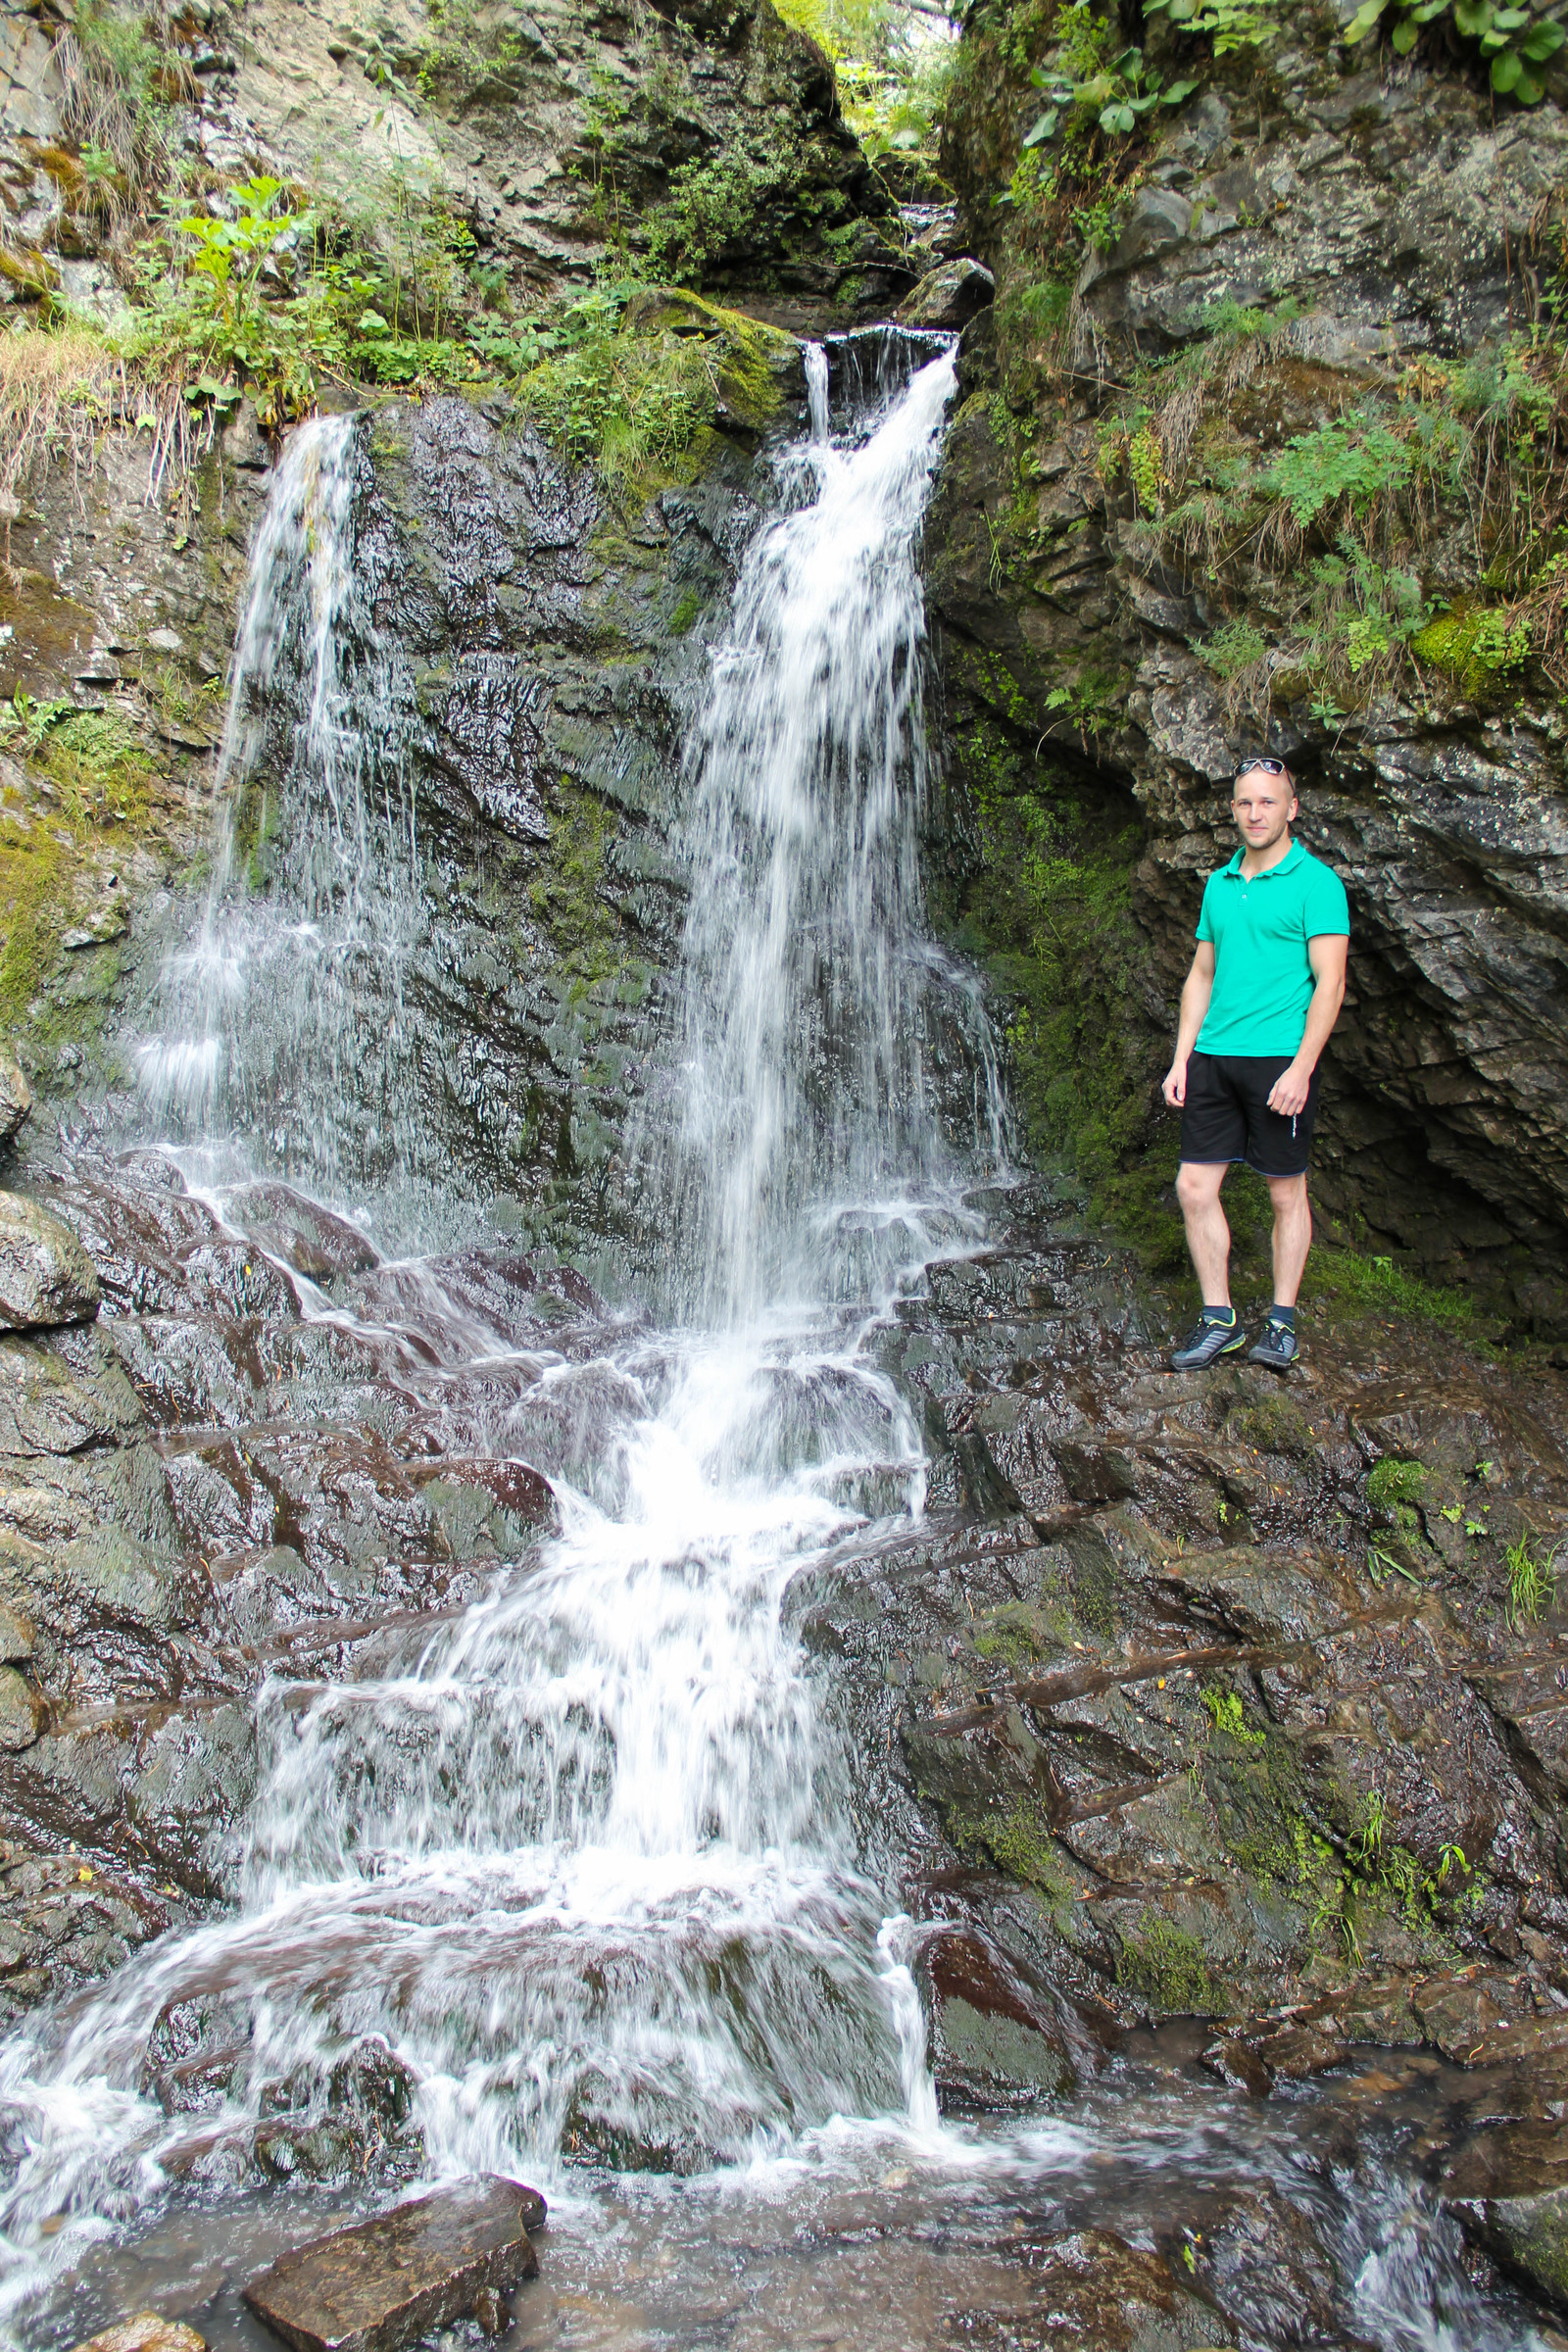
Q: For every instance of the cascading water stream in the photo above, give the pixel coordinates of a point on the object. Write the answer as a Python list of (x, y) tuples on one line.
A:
[(283, 1028), (581, 1861)]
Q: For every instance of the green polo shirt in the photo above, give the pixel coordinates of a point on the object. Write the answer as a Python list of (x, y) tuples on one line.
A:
[(1260, 925)]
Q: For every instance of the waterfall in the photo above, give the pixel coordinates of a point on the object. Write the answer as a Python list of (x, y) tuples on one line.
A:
[(282, 1025), (813, 1004), (583, 1859)]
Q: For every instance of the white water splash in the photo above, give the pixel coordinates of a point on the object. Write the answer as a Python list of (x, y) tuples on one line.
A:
[(283, 1022)]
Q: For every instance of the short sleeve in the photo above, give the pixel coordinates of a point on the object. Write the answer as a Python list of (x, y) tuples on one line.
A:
[(1206, 925), (1327, 910)]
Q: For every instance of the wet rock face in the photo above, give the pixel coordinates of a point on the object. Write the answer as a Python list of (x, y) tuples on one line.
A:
[(146, 2332), (204, 1487), (45, 1275), (1388, 208), (1181, 1704), (538, 651)]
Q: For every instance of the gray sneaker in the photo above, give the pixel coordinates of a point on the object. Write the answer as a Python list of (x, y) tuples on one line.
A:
[(1277, 1349), (1207, 1343)]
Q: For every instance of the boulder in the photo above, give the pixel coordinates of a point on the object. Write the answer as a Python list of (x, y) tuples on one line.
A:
[(21, 1712), (387, 2282), (16, 1096), (46, 1277), (994, 2041), (146, 2332), (949, 297)]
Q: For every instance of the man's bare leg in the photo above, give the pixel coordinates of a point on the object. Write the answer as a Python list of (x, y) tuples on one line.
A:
[(1208, 1237), (1293, 1234)]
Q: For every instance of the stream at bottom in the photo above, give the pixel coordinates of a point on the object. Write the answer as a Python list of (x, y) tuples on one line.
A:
[(1300, 2223)]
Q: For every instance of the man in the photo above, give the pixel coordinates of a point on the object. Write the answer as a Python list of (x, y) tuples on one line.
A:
[(1258, 1004)]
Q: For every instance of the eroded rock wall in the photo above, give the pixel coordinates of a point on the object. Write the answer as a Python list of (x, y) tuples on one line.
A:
[(1324, 226)]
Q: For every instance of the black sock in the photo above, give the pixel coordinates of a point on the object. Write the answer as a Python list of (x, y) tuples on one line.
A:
[(1219, 1314), (1283, 1315)]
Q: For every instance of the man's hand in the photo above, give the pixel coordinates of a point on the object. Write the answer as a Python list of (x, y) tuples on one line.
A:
[(1289, 1093), (1174, 1089)]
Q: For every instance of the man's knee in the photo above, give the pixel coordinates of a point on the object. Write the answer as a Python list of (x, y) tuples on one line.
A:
[(1197, 1182), (1288, 1196)]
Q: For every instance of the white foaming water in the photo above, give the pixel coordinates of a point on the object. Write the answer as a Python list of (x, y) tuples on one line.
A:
[(820, 1020), (581, 1859), (283, 1021)]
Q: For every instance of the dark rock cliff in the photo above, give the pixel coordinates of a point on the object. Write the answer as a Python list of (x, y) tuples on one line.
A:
[(1144, 561)]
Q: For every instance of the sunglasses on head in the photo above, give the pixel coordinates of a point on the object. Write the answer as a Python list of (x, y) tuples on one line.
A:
[(1269, 767)]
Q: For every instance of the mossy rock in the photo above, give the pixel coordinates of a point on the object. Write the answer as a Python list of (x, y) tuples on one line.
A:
[(759, 365)]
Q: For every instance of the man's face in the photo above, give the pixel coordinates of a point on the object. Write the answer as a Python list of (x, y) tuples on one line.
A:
[(1263, 806)]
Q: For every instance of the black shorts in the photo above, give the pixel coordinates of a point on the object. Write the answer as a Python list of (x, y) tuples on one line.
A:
[(1225, 1113)]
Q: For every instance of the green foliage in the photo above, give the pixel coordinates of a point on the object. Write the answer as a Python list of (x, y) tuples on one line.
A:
[(1116, 96), (1514, 40), (1356, 460), (1230, 24), (1235, 650), (622, 394), (717, 204), (1532, 1583)]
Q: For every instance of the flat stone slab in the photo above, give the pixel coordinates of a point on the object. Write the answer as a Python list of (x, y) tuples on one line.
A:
[(146, 2332), (384, 2283)]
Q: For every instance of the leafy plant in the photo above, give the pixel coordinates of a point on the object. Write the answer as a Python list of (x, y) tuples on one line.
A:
[(1116, 96), (228, 253), (1357, 459), (1230, 24), (1514, 39)]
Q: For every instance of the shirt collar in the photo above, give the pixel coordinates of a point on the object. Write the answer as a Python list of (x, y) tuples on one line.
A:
[(1292, 857)]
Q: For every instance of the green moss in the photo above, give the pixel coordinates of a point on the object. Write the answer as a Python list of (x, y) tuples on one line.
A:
[(1394, 1482), (1020, 1842), (1051, 912), (1478, 649), (1016, 1635), (1380, 1286), (34, 875), (685, 612), (1166, 1964), (565, 893)]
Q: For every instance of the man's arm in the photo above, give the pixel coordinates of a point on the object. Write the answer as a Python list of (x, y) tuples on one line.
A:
[(1327, 954), (1197, 990)]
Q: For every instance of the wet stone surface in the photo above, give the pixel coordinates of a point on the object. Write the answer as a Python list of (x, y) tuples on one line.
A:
[(1168, 1707), (383, 2285)]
